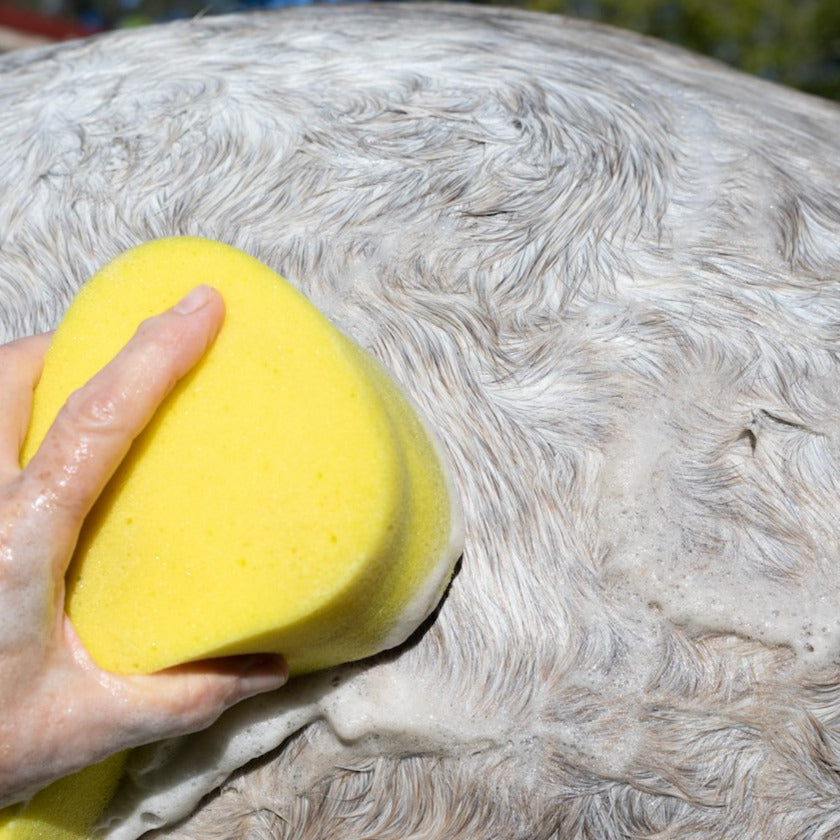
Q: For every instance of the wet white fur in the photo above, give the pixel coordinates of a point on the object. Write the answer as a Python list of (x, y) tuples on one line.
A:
[(609, 271)]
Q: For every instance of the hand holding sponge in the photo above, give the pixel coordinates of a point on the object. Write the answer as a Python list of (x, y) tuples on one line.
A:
[(284, 498)]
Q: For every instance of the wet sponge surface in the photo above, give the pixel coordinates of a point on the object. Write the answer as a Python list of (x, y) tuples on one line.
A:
[(284, 498)]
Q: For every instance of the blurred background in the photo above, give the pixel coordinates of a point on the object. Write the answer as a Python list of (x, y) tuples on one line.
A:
[(795, 42)]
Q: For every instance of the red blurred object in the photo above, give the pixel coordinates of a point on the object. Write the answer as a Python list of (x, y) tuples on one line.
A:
[(31, 23)]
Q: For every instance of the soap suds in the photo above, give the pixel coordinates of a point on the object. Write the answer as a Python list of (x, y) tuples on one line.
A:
[(371, 711), (713, 580)]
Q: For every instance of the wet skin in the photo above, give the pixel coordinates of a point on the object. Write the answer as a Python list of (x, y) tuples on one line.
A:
[(58, 710)]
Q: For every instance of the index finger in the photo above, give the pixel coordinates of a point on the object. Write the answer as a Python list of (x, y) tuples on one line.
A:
[(98, 423)]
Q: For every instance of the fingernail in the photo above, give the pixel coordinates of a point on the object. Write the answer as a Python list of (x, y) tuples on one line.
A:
[(192, 302), (264, 673)]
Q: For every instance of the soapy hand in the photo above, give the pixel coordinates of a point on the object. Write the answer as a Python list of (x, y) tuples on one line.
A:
[(58, 710)]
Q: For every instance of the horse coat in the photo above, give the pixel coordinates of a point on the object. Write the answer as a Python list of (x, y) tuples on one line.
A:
[(609, 271)]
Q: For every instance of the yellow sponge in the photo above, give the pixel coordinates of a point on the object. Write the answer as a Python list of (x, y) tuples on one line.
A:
[(284, 498), (68, 808)]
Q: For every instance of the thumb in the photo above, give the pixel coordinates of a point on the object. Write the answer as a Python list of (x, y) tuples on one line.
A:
[(189, 697)]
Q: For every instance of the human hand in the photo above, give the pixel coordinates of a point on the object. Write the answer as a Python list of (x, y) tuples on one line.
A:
[(58, 710)]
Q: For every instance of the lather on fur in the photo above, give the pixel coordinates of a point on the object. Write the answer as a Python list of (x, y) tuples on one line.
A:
[(609, 272)]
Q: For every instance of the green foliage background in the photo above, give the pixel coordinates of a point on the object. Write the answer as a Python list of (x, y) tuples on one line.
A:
[(795, 42)]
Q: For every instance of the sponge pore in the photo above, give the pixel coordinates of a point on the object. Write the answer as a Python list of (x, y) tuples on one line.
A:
[(284, 498)]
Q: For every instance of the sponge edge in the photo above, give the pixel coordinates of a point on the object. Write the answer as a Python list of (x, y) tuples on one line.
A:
[(286, 497)]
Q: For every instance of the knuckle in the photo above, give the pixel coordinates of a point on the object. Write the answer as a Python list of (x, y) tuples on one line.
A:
[(201, 702), (89, 410), (160, 332), (151, 329)]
